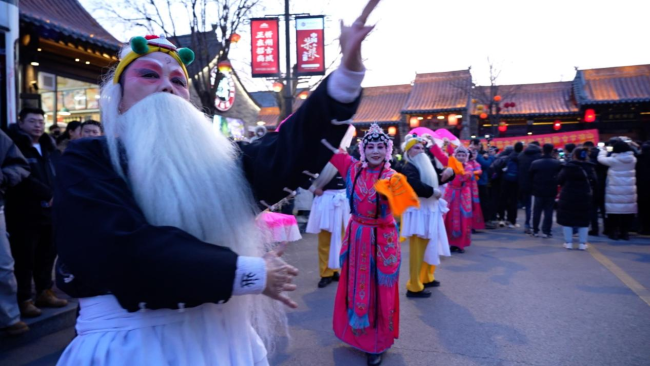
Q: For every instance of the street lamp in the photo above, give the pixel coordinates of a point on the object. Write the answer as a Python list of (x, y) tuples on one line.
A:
[(277, 86)]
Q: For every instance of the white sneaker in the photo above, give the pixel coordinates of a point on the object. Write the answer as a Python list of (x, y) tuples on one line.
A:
[(511, 226), (502, 224), (568, 245), (582, 246)]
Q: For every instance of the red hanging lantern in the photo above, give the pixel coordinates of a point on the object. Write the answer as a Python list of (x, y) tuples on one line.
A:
[(277, 86), (234, 38), (452, 120), (483, 115), (224, 66), (392, 130), (513, 104), (414, 122), (497, 98), (503, 127), (557, 125), (590, 115), (303, 94)]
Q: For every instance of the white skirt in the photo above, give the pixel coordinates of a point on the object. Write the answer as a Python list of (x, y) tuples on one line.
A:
[(330, 212), (205, 335), (427, 222)]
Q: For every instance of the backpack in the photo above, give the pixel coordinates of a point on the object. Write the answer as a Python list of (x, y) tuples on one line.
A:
[(511, 171)]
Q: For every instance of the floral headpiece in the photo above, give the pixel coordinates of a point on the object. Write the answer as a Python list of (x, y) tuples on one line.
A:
[(141, 46), (376, 134)]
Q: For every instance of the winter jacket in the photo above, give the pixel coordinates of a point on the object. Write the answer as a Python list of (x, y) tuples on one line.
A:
[(415, 181), (578, 180), (14, 166), (526, 159), (543, 176), (620, 189), (500, 162), (485, 166), (28, 202)]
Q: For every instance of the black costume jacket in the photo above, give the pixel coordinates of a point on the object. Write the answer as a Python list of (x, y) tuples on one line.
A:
[(106, 246), (413, 177)]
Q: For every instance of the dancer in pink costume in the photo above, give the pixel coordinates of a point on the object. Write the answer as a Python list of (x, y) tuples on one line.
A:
[(458, 220), (477, 214)]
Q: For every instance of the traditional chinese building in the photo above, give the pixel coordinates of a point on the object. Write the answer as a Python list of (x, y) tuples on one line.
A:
[(63, 54), (617, 99), (383, 105), (538, 109)]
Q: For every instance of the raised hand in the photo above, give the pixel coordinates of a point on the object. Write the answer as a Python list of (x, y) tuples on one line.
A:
[(352, 37)]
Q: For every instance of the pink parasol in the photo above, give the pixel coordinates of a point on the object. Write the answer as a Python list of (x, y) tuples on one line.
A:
[(278, 227), (442, 133), (422, 131)]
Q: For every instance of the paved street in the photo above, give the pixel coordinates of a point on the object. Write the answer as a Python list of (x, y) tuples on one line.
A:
[(509, 300)]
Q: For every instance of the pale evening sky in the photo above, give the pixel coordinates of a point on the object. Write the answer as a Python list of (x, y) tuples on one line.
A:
[(531, 42)]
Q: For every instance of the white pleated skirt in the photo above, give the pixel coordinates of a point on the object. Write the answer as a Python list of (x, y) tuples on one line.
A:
[(427, 222), (330, 212), (205, 335)]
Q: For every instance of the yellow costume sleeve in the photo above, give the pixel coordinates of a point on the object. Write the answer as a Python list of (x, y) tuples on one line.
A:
[(456, 166), (399, 193)]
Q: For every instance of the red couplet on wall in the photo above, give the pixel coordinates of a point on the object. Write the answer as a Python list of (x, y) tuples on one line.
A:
[(310, 45), (265, 47)]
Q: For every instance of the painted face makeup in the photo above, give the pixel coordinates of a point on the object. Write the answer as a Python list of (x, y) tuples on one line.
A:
[(375, 153), (416, 150), (156, 72)]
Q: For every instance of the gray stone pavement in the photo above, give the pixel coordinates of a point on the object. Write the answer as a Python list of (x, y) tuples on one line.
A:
[(509, 300)]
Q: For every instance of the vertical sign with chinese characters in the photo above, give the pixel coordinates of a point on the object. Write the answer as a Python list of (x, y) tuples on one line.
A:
[(310, 45), (265, 47)]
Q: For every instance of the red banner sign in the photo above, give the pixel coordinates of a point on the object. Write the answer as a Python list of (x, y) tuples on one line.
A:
[(265, 47), (310, 40), (557, 139)]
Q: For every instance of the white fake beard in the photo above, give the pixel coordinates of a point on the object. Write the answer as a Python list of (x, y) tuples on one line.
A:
[(185, 174), (425, 167)]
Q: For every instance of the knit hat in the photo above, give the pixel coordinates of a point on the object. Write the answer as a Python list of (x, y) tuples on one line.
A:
[(141, 46)]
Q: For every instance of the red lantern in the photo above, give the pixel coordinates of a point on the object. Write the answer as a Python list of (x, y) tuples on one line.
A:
[(392, 130), (557, 125), (512, 104), (452, 120), (497, 98), (506, 105), (590, 115), (503, 127), (303, 94), (414, 122), (277, 86), (234, 38), (224, 66), (483, 115)]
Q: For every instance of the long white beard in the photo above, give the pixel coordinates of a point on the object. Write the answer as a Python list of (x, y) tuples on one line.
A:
[(185, 174), (428, 174)]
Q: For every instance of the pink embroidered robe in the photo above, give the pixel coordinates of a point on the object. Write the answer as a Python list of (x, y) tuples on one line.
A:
[(366, 309), (458, 221), (478, 221)]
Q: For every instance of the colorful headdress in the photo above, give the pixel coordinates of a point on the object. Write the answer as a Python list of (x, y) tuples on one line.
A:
[(412, 140), (376, 134), (141, 46)]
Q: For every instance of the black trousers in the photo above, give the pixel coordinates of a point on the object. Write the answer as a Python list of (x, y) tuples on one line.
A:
[(644, 215), (484, 197), (619, 224), (508, 201), (34, 254), (543, 205)]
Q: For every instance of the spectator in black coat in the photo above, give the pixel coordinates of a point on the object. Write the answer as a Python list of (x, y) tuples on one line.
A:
[(543, 177), (495, 176), (578, 180), (510, 186), (526, 159), (29, 221), (643, 180)]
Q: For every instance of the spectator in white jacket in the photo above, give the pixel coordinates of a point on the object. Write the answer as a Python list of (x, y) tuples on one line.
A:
[(620, 189)]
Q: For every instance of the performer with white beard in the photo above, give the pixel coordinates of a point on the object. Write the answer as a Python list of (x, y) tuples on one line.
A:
[(424, 226), (163, 251), (330, 213)]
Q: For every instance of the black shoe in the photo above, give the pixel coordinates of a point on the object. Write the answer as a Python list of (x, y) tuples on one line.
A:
[(433, 283), (374, 359), (454, 249), (421, 294), (324, 281), (625, 236), (613, 236), (593, 233), (461, 250), (336, 277)]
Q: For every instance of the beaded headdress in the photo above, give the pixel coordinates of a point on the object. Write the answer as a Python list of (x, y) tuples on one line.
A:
[(376, 134)]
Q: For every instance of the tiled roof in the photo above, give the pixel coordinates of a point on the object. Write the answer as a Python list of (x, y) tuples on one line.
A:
[(440, 91), (69, 18), (613, 85), (270, 115), (382, 104), (543, 99)]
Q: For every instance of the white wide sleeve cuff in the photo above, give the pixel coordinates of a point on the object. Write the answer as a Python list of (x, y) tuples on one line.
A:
[(345, 85), (250, 276)]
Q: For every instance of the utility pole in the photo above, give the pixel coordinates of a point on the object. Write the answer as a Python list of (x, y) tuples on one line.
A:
[(288, 84)]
